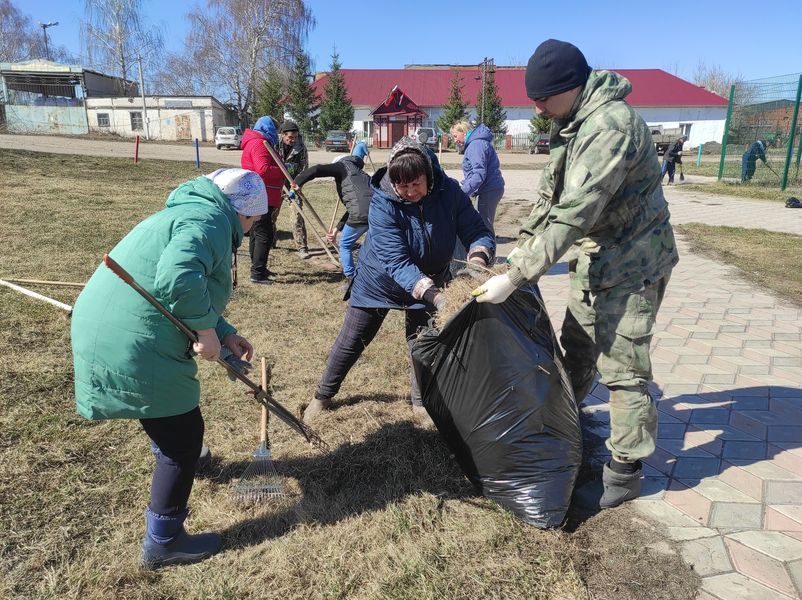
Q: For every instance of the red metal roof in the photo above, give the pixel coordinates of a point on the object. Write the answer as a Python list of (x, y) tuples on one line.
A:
[(430, 87)]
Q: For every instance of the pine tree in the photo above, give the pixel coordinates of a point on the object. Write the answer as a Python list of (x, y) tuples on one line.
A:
[(336, 110), (455, 109), (538, 124), (301, 98), (489, 109), (269, 95)]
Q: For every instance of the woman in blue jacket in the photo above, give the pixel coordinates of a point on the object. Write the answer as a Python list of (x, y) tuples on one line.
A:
[(481, 169), (416, 216)]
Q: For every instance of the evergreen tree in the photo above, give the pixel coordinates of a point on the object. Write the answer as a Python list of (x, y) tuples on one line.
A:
[(269, 95), (538, 124), (301, 98), (336, 110), (455, 109), (489, 110)]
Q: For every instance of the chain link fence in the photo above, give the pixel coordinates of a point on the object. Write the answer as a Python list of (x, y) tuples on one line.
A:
[(765, 111)]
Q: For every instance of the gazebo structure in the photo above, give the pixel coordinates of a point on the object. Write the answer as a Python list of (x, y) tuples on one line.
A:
[(394, 118)]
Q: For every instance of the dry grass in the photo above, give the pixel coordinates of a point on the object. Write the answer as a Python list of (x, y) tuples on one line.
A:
[(765, 257), (386, 514)]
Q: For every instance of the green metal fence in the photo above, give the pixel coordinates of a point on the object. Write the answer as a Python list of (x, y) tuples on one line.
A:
[(766, 110)]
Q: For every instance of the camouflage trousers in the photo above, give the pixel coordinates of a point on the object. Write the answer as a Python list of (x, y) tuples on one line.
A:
[(610, 332), (299, 227)]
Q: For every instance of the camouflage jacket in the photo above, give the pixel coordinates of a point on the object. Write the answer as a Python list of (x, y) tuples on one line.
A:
[(295, 157), (601, 192)]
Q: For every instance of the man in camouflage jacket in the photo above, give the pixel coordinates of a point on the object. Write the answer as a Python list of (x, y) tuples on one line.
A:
[(601, 195), (292, 151)]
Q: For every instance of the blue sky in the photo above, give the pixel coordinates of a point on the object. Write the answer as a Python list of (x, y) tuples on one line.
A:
[(751, 39)]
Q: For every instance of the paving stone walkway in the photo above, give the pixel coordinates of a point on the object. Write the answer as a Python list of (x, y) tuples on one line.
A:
[(726, 479)]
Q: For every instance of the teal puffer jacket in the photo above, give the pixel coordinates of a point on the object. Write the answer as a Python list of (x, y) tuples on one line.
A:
[(130, 361)]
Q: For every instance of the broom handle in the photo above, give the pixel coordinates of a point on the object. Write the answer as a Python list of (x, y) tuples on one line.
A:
[(264, 418), (333, 216)]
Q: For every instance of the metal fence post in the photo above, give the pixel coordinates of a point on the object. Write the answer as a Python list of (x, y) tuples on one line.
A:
[(791, 135), (725, 139), (699, 156)]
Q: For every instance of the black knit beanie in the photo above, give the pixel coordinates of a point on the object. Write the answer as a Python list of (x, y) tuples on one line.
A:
[(554, 68), (288, 125)]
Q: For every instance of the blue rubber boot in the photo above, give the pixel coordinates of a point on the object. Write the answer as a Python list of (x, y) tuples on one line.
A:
[(167, 543)]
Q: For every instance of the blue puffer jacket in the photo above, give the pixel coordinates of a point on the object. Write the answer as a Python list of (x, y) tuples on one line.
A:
[(480, 165), (409, 242)]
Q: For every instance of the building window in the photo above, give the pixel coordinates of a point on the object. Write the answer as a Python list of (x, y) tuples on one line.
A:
[(136, 121), (103, 120), (686, 129)]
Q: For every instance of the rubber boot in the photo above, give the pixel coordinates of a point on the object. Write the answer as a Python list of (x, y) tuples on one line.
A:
[(619, 487), (613, 490), (315, 407), (167, 543)]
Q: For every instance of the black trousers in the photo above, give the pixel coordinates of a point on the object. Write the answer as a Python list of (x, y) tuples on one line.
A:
[(178, 441), (359, 328), (261, 241)]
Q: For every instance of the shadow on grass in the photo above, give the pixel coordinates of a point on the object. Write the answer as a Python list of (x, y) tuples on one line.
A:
[(396, 461)]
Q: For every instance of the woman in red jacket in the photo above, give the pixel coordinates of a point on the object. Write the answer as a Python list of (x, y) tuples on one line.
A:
[(255, 157)]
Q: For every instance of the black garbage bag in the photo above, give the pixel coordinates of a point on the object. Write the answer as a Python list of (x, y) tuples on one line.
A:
[(498, 393)]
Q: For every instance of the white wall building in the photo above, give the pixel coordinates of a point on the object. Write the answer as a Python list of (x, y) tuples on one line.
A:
[(168, 117), (661, 98)]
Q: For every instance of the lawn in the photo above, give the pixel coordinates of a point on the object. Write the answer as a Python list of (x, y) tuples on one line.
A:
[(765, 257), (385, 514)]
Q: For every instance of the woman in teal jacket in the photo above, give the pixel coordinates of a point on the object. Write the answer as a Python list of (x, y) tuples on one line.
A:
[(132, 363)]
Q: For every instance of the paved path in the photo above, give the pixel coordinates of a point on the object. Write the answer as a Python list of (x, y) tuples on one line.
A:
[(208, 153), (726, 480)]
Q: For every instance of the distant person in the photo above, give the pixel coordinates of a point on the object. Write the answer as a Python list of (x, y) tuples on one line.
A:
[(757, 150), (292, 151), (132, 363), (481, 169), (416, 215), (354, 191), (672, 157), (255, 157)]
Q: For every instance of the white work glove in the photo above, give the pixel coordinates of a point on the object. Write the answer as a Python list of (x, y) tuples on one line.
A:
[(512, 253), (496, 289)]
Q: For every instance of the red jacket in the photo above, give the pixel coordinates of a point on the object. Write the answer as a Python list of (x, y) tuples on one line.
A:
[(256, 158)]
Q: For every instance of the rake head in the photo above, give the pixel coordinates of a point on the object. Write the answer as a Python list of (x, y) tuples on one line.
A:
[(260, 481)]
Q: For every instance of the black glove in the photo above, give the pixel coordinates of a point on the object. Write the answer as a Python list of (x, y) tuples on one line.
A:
[(434, 296), (240, 365)]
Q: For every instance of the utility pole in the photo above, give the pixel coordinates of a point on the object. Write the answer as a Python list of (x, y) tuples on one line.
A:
[(484, 77), (142, 91), (44, 27)]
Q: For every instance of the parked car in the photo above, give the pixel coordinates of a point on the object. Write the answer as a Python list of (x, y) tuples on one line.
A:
[(427, 134), (337, 141), (230, 137), (540, 145)]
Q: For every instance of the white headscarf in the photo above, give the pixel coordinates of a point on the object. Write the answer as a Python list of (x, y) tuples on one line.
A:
[(245, 190)]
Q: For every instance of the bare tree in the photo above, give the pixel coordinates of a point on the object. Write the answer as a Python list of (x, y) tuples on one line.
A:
[(715, 78), (233, 42), (20, 39), (114, 35)]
